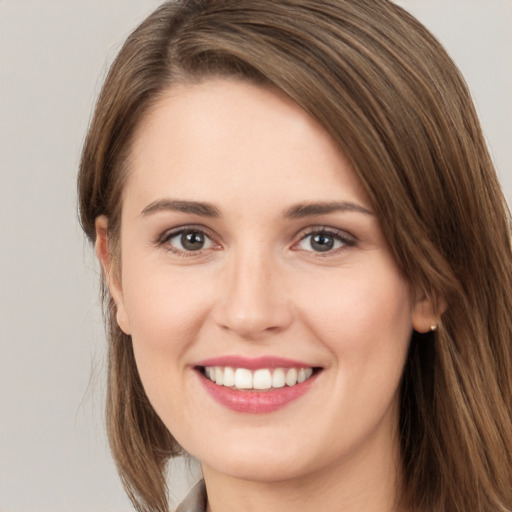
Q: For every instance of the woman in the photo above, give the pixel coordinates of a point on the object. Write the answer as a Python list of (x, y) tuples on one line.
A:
[(307, 262)]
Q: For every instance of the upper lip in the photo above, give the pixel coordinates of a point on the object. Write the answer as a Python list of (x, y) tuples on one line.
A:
[(253, 363)]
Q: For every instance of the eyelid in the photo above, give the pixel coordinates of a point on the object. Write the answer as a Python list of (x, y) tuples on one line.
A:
[(168, 234), (346, 238)]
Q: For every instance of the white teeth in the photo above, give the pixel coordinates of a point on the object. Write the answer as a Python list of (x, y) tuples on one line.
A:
[(243, 378), (278, 380), (261, 379), (304, 374), (291, 377), (229, 377)]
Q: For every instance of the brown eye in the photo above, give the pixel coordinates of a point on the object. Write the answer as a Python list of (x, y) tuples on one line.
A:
[(325, 241), (321, 242), (192, 241), (188, 240)]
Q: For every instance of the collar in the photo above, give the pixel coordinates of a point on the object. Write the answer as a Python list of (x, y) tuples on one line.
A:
[(195, 501)]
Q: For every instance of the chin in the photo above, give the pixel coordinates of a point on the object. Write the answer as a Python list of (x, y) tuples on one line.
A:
[(258, 469), (265, 458)]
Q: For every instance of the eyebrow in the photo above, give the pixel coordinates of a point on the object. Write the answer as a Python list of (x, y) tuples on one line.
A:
[(311, 209), (298, 211), (193, 207)]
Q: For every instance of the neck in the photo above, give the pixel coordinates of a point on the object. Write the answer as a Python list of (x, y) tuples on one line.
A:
[(365, 482)]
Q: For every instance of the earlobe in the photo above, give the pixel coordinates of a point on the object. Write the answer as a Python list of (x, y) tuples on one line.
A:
[(425, 316), (110, 271)]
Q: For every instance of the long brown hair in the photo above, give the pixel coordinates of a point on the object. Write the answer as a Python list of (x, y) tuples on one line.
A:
[(397, 106)]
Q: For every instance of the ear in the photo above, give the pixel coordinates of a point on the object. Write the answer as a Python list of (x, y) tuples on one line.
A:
[(426, 313), (111, 272)]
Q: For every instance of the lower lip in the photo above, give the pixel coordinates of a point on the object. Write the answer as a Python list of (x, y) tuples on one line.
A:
[(256, 402)]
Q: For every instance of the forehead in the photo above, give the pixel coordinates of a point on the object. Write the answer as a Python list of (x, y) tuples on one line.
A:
[(226, 138)]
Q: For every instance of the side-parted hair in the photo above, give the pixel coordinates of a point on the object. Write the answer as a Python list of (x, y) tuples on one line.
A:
[(396, 105)]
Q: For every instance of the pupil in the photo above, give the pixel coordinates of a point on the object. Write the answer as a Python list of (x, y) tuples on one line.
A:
[(322, 243), (192, 241)]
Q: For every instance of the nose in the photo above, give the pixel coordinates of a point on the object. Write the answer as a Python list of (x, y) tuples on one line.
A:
[(253, 302)]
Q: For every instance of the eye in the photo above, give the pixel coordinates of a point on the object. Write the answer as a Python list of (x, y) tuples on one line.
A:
[(187, 240), (323, 241)]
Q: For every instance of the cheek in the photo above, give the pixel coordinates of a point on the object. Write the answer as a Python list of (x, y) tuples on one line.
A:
[(365, 323), (363, 318), (165, 317), (161, 304)]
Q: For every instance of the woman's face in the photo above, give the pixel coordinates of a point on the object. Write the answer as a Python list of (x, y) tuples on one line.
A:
[(251, 256)]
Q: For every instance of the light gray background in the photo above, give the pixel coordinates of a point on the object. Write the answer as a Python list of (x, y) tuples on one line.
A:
[(53, 57)]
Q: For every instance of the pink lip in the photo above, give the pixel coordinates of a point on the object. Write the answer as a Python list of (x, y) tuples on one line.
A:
[(253, 363), (255, 402)]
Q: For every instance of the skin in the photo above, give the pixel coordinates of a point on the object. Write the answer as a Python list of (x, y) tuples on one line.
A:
[(258, 288)]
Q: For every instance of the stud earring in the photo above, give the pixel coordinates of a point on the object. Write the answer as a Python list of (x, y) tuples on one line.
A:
[(433, 327)]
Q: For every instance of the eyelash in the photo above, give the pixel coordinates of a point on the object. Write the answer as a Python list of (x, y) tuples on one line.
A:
[(344, 238), (169, 235), (340, 236)]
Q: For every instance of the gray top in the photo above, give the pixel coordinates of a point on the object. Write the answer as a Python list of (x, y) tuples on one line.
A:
[(195, 500)]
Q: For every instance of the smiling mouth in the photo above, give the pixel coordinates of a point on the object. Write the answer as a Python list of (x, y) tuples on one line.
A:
[(262, 379)]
